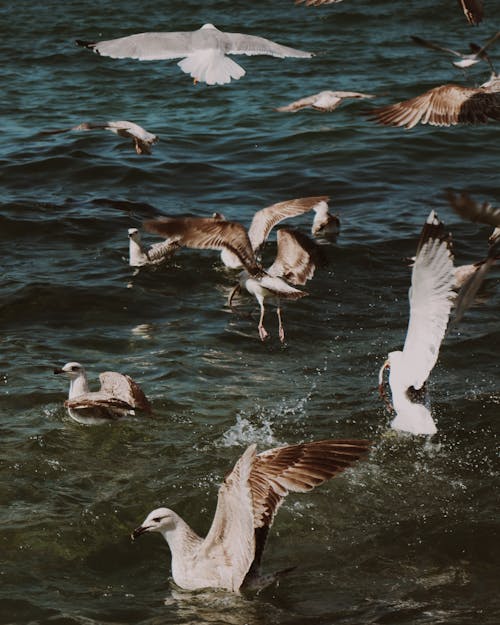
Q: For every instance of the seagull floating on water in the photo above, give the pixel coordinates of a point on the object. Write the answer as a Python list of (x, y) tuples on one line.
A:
[(484, 213), (142, 139), (446, 105), (158, 252), (119, 396), (229, 557), (466, 60), (325, 101), (295, 254), (431, 298), (203, 51)]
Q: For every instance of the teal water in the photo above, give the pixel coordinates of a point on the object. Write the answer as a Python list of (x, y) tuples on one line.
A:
[(409, 536)]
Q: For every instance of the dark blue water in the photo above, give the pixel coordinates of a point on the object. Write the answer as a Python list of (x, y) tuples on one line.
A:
[(411, 535)]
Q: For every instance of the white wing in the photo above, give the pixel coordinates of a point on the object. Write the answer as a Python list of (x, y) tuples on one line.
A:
[(239, 43), (145, 46), (430, 297)]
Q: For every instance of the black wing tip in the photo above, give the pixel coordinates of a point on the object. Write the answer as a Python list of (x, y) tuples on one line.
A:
[(85, 44)]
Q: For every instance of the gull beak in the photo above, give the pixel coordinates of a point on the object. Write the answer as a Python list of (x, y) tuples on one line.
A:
[(57, 371), (138, 531)]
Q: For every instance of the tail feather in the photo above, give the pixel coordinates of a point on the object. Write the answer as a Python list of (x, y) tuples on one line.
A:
[(213, 67)]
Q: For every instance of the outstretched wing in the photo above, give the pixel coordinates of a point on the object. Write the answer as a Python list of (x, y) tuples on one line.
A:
[(144, 46), (297, 257), (239, 43), (473, 10), (446, 105), (431, 296), (123, 388), (207, 233), (468, 208), (264, 220)]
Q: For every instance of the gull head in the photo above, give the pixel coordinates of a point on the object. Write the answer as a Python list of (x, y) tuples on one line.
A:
[(133, 234), (72, 370), (207, 26), (159, 520)]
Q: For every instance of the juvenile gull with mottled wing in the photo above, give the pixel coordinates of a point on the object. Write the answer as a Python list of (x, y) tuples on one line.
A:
[(229, 557), (325, 101), (118, 396)]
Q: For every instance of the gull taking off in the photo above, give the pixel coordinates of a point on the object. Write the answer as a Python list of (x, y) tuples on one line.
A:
[(219, 234), (158, 253), (265, 219), (325, 101), (203, 51), (484, 213), (446, 105), (431, 298), (229, 557), (118, 396), (466, 60), (142, 139)]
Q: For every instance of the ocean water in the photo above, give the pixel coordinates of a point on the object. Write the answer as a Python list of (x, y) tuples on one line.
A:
[(411, 535)]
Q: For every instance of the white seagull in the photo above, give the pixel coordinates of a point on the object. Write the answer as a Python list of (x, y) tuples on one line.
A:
[(325, 101), (431, 298), (296, 258), (119, 396), (142, 139), (466, 60), (203, 51), (446, 105), (229, 557), (484, 213), (158, 252)]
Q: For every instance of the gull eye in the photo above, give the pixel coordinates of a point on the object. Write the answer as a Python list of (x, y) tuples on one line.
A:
[(74, 368), (157, 519)]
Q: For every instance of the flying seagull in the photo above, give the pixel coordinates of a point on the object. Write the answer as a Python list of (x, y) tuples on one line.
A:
[(484, 213), (219, 234), (155, 255), (203, 51), (473, 9), (265, 219), (230, 555), (142, 139), (431, 298), (446, 105), (325, 101), (466, 60), (118, 396)]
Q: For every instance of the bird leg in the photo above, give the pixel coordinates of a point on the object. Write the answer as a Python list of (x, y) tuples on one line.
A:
[(262, 331), (280, 325)]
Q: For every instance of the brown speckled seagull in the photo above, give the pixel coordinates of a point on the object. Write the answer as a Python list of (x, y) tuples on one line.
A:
[(232, 237), (446, 105), (118, 396), (229, 557)]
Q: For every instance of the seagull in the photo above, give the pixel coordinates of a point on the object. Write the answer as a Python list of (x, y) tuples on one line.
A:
[(485, 213), (230, 555), (265, 219), (292, 258), (473, 9), (155, 255), (203, 51), (142, 139), (325, 101), (466, 60), (446, 105), (118, 396), (431, 298)]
